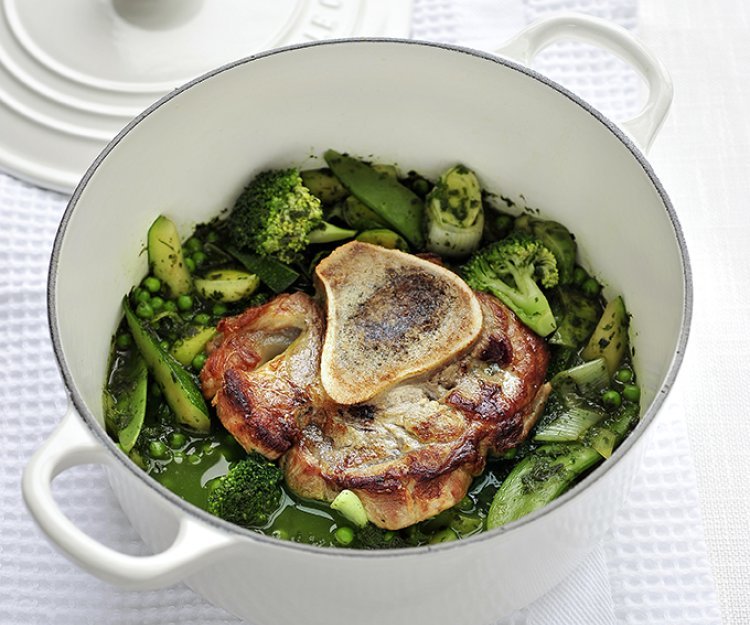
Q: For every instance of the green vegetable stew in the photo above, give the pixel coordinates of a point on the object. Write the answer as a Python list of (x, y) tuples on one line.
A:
[(281, 226)]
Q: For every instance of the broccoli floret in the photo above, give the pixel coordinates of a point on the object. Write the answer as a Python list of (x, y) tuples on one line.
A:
[(273, 216), (249, 493), (513, 269), (276, 215)]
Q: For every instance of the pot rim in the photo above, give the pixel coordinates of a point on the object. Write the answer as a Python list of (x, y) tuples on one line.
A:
[(219, 524)]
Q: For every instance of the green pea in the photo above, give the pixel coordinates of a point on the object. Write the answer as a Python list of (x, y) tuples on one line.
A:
[(207, 449), (198, 362), (212, 237), (611, 399), (190, 264), (579, 275), (157, 303), (194, 459), (157, 449), (591, 287), (141, 295), (218, 310), (193, 245), (421, 187), (124, 341), (170, 306), (631, 392), (202, 319), (164, 345), (344, 535), (151, 284), (177, 440), (466, 504), (184, 302), (624, 375), (144, 310), (198, 258), (503, 224)]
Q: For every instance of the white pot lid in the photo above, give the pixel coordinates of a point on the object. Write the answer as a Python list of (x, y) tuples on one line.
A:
[(73, 73)]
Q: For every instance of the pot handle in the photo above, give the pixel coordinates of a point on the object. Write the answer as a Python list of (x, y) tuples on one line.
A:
[(72, 444), (644, 127)]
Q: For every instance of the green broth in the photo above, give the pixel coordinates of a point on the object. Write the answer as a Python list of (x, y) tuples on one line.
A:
[(189, 470)]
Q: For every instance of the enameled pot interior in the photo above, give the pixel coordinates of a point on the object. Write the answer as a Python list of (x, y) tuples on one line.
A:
[(421, 106)]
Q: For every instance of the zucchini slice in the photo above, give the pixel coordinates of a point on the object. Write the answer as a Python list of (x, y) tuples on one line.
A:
[(227, 285), (165, 258), (125, 398), (384, 238), (185, 349), (273, 273), (180, 390), (610, 337), (323, 185)]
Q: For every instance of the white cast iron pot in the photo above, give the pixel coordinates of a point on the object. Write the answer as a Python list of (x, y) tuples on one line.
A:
[(426, 107)]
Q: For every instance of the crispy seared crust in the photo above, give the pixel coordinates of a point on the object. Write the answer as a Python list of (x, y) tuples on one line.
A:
[(409, 452), (396, 494), (501, 381), (413, 450), (390, 316), (262, 372)]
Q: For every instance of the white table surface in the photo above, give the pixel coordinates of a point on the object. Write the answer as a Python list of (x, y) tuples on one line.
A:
[(702, 157)]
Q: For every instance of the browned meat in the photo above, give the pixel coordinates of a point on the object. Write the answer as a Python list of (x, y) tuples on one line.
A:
[(263, 372), (409, 452), (413, 450)]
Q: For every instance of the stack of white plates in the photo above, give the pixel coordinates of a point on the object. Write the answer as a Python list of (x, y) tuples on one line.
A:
[(73, 73)]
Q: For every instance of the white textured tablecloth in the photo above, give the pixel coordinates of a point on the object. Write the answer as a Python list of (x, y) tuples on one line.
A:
[(703, 158), (653, 566)]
